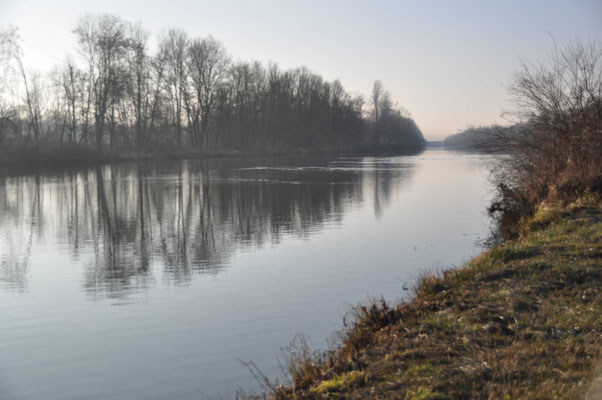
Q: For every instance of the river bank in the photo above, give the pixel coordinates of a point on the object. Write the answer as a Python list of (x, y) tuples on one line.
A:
[(522, 320), (69, 155)]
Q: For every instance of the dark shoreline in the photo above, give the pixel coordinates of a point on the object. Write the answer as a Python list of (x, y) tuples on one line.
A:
[(31, 160)]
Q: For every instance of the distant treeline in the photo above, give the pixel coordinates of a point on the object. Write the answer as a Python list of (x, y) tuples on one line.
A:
[(481, 139), (185, 95)]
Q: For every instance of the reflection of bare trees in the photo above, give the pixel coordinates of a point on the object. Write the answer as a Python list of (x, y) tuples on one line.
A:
[(186, 217), (18, 243)]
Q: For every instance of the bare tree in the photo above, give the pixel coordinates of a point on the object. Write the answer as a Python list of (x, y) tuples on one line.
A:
[(208, 63), (5, 39), (555, 148), (377, 92), (103, 42), (173, 49), (67, 82), (11, 44), (139, 80), (157, 78)]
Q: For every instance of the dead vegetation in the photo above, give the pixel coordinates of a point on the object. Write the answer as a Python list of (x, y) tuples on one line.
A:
[(523, 320), (554, 150)]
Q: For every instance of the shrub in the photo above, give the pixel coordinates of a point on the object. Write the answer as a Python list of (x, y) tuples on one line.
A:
[(554, 151)]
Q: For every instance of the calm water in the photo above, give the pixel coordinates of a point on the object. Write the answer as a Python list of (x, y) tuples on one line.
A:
[(153, 280)]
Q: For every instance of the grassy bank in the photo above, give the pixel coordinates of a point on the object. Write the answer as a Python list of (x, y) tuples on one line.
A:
[(522, 320)]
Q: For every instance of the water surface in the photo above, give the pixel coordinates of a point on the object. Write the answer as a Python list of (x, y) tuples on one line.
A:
[(154, 280)]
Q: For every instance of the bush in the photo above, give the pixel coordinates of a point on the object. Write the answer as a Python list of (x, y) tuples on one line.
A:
[(554, 152)]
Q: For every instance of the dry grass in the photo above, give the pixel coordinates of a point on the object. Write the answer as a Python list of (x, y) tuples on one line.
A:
[(523, 320)]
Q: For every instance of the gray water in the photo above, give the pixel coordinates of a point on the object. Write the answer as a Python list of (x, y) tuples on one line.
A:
[(155, 280)]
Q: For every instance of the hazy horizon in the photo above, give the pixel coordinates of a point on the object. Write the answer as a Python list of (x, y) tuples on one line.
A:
[(447, 63)]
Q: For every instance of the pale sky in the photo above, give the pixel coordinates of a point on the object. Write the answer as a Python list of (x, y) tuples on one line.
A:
[(447, 62)]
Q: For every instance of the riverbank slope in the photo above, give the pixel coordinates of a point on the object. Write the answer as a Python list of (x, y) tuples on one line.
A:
[(522, 320)]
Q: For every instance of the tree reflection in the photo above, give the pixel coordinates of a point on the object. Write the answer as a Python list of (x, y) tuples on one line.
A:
[(132, 223)]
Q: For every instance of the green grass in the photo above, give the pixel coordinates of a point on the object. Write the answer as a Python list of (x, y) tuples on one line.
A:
[(341, 382), (521, 321)]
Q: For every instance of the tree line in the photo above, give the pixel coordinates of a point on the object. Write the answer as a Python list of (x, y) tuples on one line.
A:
[(185, 94), (485, 138), (470, 138)]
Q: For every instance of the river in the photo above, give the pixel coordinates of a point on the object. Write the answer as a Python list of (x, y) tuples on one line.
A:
[(157, 279)]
